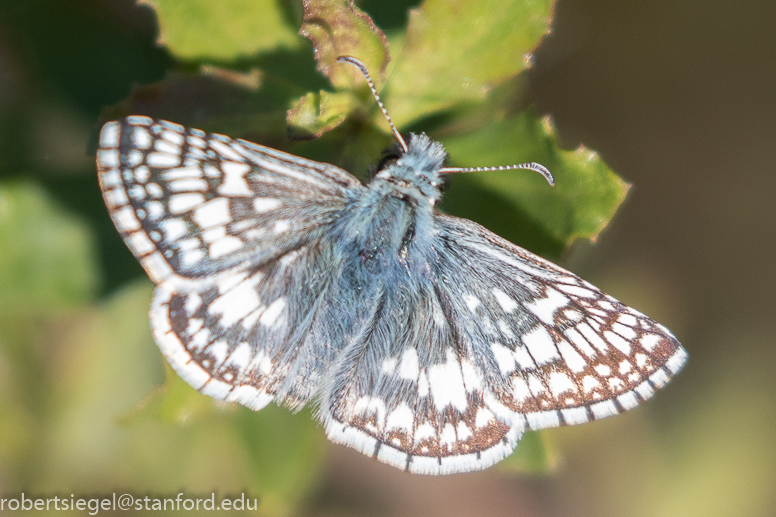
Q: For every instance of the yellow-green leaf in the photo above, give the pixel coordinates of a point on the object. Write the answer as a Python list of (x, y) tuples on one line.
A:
[(457, 51), (223, 30), (339, 28)]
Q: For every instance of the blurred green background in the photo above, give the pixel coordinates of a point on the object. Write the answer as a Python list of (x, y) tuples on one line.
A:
[(677, 98)]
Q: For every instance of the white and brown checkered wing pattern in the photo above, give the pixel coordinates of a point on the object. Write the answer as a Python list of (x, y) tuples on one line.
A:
[(554, 349), (454, 366), (193, 204), (230, 232)]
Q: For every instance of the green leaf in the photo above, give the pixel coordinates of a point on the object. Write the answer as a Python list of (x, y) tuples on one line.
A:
[(284, 452), (339, 28), (585, 196), (534, 455), (457, 51), (317, 113), (174, 402), (47, 261), (224, 30)]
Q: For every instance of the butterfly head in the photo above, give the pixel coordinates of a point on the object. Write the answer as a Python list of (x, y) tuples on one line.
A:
[(415, 173)]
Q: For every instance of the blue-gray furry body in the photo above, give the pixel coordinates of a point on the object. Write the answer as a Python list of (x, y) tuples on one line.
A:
[(380, 254), (379, 282)]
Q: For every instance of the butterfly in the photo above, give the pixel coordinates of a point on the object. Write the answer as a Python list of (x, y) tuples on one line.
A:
[(423, 340)]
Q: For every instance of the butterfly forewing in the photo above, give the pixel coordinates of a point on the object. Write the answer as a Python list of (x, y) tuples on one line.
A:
[(194, 204)]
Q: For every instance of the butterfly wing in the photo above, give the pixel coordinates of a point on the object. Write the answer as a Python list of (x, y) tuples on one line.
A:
[(407, 391), (192, 204), (453, 365), (555, 348), (230, 232)]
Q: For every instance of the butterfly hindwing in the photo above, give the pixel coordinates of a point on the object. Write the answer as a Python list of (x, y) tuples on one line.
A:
[(407, 391), (238, 335), (557, 350)]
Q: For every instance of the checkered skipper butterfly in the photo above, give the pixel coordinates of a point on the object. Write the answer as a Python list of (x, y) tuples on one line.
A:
[(425, 340)]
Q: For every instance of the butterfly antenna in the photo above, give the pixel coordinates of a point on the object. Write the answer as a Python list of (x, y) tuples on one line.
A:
[(358, 64), (541, 169)]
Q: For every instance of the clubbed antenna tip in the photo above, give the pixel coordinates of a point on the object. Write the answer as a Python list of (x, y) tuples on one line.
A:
[(541, 169)]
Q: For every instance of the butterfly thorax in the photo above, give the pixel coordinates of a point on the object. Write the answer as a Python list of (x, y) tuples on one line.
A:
[(390, 223), (414, 176)]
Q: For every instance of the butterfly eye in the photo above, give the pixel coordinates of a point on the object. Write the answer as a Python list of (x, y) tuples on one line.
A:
[(390, 156), (386, 161)]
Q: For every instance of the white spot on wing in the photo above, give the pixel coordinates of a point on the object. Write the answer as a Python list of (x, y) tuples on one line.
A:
[(649, 341), (181, 173), (108, 158), (504, 358), (618, 342), (483, 418), (240, 356), (271, 316), (423, 385), (141, 139), (541, 345), (235, 304), (389, 365), (265, 204), (573, 360), (448, 436), (463, 431), (224, 246), (446, 383), (503, 299), (520, 391), (424, 431), (142, 174), (218, 351), (225, 151), (408, 368), (109, 136), (180, 203), (173, 228), (471, 376), (125, 219), (559, 383), (193, 302), (166, 147), (544, 308), (173, 137), (163, 160), (400, 418), (234, 182), (213, 213), (281, 226), (589, 383)]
